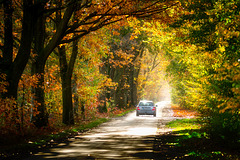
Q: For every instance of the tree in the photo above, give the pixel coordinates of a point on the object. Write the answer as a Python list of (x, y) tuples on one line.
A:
[(38, 15), (16, 52), (11, 65), (91, 16), (151, 64), (121, 66), (213, 66), (134, 63)]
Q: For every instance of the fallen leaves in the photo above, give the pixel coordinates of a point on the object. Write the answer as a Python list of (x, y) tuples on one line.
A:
[(183, 112)]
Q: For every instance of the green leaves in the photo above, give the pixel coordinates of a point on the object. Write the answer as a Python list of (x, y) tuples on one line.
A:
[(210, 80)]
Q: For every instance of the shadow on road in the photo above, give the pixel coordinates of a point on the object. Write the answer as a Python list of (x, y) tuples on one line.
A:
[(109, 147), (127, 137)]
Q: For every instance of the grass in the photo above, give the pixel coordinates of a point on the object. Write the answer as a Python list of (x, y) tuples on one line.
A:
[(183, 124), (188, 140)]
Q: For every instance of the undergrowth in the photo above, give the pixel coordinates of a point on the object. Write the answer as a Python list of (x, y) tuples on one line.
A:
[(46, 138), (190, 139)]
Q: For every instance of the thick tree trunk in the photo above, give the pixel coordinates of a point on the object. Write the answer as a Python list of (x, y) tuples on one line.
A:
[(68, 117), (42, 55), (7, 60), (14, 69), (66, 71), (41, 119), (38, 65), (8, 35)]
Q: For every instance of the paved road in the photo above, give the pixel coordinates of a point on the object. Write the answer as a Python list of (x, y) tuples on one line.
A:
[(127, 137)]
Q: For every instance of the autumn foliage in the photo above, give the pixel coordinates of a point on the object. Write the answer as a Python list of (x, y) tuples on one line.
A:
[(67, 62), (184, 113), (204, 64)]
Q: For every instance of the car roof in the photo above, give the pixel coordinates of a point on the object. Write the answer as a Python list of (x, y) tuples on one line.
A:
[(145, 101)]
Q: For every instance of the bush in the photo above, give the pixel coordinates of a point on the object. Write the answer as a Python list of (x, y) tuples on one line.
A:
[(225, 127)]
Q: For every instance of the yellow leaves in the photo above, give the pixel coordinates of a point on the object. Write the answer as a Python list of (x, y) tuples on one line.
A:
[(230, 105), (1, 43), (236, 33), (171, 12), (235, 64), (219, 6), (236, 90), (132, 37), (221, 48)]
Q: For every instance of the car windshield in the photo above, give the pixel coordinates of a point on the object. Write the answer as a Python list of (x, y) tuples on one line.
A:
[(146, 104)]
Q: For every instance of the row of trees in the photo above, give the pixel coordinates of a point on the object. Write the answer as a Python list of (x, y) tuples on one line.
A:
[(134, 63), (52, 49), (59, 57), (204, 64)]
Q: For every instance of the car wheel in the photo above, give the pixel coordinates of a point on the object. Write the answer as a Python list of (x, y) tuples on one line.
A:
[(137, 114), (154, 115)]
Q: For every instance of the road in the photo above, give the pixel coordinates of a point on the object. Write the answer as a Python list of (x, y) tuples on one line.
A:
[(127, 137)]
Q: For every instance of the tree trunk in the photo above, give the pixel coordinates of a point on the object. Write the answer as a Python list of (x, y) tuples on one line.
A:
[(14, 69), (38, 65), (75, 96), (6, 61), (102, 107), (41, 119), (8, 35), (133, 86), (66, 71), (42, 56), (68, 117)]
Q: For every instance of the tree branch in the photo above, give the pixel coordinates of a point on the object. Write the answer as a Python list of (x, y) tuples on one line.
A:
[(85, 32), (142, 13)]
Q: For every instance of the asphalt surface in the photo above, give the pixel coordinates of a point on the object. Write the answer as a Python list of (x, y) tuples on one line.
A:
[(127, 137)]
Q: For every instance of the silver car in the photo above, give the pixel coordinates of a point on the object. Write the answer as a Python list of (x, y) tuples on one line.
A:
[(146, 108)]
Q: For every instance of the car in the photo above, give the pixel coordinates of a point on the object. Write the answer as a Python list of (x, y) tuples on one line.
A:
[(145, 108)]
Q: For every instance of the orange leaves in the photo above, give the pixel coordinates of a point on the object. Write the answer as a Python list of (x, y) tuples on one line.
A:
[(121, 59), (29, 81), (236, 77), (132, 37), (181, 112), (107, 11), (115, 33), (8, 121), (3, 83)]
